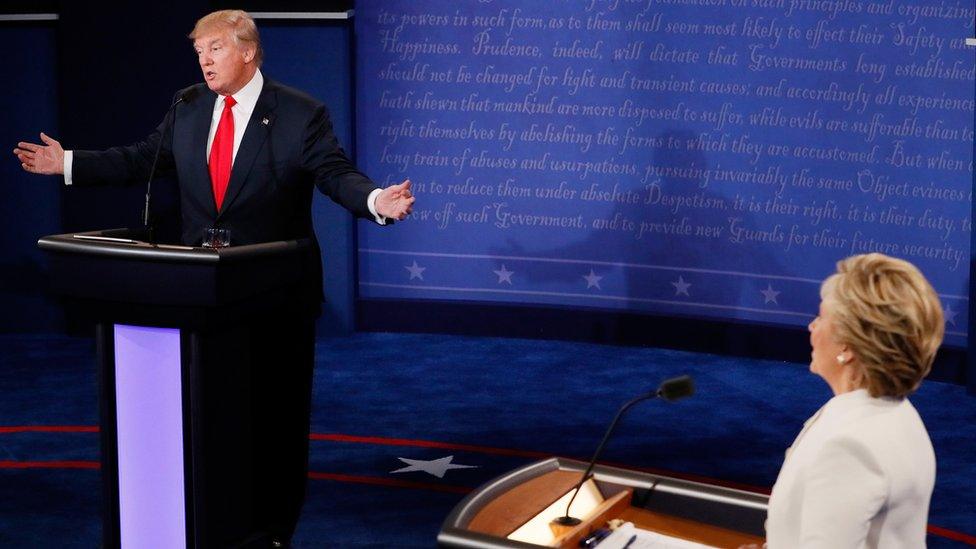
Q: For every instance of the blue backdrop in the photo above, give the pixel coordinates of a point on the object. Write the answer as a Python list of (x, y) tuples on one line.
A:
[(665, 158), (316, 58), (31, 206)]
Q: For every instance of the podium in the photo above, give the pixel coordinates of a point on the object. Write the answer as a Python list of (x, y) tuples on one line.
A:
[(177, 332), (693, 511)]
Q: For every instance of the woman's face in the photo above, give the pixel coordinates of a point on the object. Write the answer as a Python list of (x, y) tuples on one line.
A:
[(823, 359)]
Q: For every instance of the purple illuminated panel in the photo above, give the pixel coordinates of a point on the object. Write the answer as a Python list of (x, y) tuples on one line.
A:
[(149, 414)]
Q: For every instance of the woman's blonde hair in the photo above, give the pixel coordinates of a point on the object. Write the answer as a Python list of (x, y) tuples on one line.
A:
[(238, 21), (890, 318)]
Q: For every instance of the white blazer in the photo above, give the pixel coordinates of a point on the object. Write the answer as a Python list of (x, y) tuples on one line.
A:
[(859, 475)]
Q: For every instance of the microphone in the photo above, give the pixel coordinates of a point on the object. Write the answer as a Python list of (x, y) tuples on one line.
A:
[(670, 390), (185, 97), (676, 388)]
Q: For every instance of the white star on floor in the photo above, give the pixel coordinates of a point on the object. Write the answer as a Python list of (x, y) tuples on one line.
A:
[(593, 280), (504, 275), (416, 271), (681, 287), (436, 467), (769, 294), (950, 315)]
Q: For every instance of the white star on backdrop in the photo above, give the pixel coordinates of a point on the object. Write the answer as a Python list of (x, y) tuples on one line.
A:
[(504, 275), (681, 287), (593, 280), (436, 467), (950, 315), (769, 295), (416, 271)]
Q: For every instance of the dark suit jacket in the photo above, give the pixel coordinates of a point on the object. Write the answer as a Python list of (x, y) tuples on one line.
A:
[(289, 146)]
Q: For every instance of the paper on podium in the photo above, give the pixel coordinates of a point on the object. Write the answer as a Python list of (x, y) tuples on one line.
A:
[(644, 539)]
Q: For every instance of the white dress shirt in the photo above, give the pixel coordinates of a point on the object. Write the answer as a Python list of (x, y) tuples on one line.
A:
[(859, 475), (247, 99)]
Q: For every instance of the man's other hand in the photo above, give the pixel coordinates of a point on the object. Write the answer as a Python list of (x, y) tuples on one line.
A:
[(395, 201), (47, 159)]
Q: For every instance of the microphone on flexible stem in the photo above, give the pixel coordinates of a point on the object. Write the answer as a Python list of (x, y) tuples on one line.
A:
[(184, 97), (670, 390)]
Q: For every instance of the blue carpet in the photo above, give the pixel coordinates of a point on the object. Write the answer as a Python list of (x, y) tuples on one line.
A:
[(532, 396)]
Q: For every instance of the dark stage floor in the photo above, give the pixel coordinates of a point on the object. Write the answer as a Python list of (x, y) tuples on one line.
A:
[(490, 404)]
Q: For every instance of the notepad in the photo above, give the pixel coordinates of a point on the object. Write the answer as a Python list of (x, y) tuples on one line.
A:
[(631, 537), (105, 239)]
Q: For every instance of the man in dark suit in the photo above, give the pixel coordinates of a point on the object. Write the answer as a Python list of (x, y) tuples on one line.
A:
[(281, 143), (247, 153)]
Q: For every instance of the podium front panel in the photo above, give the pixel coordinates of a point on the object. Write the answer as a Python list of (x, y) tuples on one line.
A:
[(149, 426)]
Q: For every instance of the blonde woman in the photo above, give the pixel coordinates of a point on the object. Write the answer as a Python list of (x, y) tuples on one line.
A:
[(861, 472)]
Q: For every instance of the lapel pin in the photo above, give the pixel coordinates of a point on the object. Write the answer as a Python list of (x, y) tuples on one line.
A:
[(265, 121)]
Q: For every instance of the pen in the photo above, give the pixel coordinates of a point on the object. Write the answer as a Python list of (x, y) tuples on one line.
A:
[(595, 538), (631, 540)]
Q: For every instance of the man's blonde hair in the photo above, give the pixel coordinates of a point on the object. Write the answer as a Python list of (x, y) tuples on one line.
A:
[(890, 318), (238, 21)]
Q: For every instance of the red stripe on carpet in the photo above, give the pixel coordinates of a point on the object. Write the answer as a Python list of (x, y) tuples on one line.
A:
[(951, 534), (355, 479), (49, 429), (381, 481), (49, 465), (416, 443), (335, 437)]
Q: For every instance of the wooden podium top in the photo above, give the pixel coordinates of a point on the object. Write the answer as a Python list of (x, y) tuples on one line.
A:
[(711, 515), (504, 514)]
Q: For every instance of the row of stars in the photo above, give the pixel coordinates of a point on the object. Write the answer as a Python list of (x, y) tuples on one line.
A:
[(681, 287)]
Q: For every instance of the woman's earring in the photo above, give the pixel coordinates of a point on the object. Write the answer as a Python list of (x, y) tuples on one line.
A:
[(841, 359)]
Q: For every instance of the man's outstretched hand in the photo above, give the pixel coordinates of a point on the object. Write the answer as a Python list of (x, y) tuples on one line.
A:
[(395, 201), (47, 159)]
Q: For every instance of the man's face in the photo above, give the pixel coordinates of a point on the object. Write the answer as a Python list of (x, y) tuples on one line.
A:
[(227, 65)]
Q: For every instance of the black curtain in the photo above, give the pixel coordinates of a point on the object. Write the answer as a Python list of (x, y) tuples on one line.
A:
[(118, 68)]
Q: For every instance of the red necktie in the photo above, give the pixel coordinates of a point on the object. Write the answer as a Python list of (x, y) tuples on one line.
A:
[(222, 152)]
